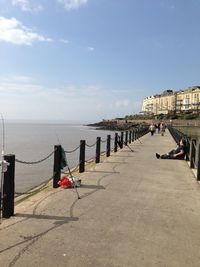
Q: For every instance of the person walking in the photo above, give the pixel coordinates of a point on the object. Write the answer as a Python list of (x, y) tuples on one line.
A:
[(158, 127), (162, 128), (152, 129)]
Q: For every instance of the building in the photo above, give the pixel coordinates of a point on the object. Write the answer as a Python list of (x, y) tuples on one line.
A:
[(187, 100), (148, 105)]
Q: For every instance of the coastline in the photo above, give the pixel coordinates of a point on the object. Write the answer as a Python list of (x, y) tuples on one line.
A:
[(117, 125), (123, 124)]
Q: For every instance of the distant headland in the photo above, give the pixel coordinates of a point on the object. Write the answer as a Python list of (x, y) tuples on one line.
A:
[(117, 124), (138, 120)]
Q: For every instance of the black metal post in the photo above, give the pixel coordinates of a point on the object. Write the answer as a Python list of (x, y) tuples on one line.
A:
[(192, 153), (116, 142), (187, 149), (122, 139), (130, 136), (56, 166), (126, 138), (139, 133), (136, 134), (108, 146), (198, 164), (82, 156), (98, 149), (133, 136), (9, 187)]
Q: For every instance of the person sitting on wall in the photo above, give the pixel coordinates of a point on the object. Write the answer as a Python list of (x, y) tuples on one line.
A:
[(177, 153)]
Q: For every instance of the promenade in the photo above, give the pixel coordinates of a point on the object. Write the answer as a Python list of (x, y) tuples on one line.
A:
[(135, 211)]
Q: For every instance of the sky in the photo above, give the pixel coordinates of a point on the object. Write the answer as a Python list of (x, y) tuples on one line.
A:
[(94, 59)]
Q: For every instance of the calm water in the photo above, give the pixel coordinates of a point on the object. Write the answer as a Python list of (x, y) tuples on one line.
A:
[(194, 132), (34, 141)]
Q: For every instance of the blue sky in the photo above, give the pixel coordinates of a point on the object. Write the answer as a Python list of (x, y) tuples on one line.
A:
[(94, 59)]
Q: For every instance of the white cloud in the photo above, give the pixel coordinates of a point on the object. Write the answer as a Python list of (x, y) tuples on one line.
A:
[(13, 31), (90, 48), (26, 6), (22, 78), (16, 78), (22, 98), (72, 4), (64, 41)]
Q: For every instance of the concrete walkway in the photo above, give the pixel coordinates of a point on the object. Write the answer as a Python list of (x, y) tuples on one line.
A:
[(135, 210)]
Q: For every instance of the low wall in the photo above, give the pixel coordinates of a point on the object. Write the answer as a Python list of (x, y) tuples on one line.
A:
[(194, 123)]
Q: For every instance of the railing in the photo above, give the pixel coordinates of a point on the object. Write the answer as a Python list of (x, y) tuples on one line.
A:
[(9, 181), (192, 149)]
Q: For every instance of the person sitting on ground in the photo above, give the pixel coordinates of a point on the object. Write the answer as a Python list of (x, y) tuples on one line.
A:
[(178, 153)]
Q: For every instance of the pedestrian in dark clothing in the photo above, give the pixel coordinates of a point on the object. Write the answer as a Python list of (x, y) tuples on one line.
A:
[(158, 127)]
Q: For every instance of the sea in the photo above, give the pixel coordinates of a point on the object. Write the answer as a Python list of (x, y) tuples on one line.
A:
[(33, 141), (192, 131)]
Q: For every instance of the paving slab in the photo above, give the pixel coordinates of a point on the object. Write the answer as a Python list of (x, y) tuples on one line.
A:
[(135, 210)]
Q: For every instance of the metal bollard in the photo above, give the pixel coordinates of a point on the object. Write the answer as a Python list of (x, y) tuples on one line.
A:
[(9, 187), (108, 146), (122, 139), (198, 164), (187, 148), (82, 156), (98, 149), (130, 136), (126, 138), (136, 134), (116, 142), (56, 166), (133, 135), (192, 153)]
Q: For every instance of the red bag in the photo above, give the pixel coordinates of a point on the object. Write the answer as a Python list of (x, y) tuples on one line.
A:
[(65, 182)]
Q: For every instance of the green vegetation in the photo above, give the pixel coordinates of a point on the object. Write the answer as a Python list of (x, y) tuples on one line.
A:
[(169, 116), (191, 116), (139, 117)]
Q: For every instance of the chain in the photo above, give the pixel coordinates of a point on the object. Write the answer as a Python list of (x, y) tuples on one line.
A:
[(76, 168), (66, 151), (34, 162), (31, 192), (90, 145)]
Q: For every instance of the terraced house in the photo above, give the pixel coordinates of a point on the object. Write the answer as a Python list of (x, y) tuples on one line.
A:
[(187, 100)]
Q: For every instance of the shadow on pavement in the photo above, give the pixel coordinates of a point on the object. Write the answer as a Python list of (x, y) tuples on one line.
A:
[(102, 171), (46, 217), (92, 186)]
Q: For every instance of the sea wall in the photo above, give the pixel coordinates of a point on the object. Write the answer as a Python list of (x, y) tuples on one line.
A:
[(117, 125), (194, 123)]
